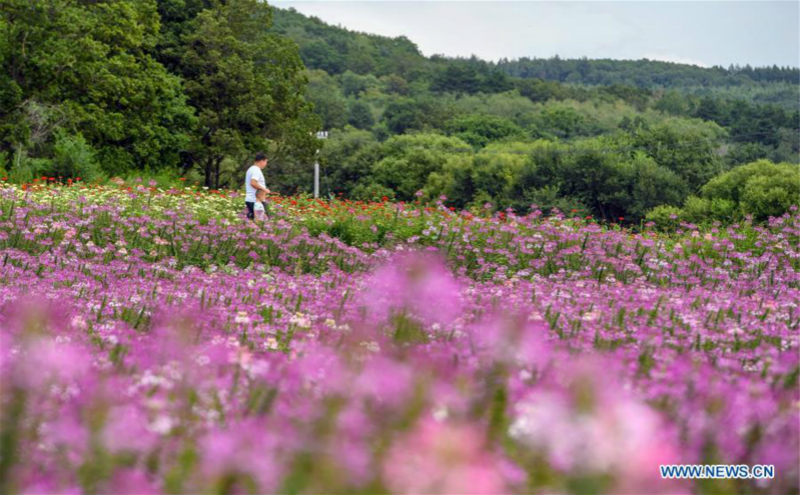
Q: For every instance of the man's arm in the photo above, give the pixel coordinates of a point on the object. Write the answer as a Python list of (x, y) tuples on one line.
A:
[(257, 185)]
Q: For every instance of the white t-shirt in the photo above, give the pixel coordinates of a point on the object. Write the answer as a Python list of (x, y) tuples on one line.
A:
[(252, 173)]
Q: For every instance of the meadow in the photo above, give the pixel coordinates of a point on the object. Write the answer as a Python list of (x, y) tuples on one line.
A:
[(153, 341)]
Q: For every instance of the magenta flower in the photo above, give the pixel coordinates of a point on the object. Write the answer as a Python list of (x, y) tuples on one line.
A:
[(439, 457), (415, 283)]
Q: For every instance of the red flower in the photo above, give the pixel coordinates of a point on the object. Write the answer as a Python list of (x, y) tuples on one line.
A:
[(182, 179), (621, 218)]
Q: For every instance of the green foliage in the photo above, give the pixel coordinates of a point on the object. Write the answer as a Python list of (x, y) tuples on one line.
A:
[(644, 73), (372, 192), (767, 196), (479, 130), (124, 103), (696, 209), (495, 175), (407, 114), (347, 159), (25, 168), (562, 121), (653, 185), (508, 105), (688, 148), (761, 189), (731, 185), (665, 217), (74, 157), (360, 115), (353, 84), (468, 76), (246, 85), (329, 102), (409, 160), (337, 50)]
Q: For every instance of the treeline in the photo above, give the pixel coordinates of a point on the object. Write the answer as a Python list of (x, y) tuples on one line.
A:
[(337, 50), (405, 126), (644, 73), (620, 178), (113, 87)]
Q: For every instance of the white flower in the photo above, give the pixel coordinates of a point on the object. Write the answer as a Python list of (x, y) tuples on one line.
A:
[(161, 425), (271, 344), (300, 320), (78, 322)]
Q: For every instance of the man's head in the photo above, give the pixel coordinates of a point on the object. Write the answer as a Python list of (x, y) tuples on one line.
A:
[(260, 160)]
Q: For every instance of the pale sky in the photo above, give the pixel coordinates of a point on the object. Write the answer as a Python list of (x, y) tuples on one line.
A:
[(705, 33)]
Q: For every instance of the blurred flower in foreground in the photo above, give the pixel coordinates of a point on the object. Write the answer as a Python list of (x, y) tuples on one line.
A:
[(417, 283), (438, 457), (586, 425)]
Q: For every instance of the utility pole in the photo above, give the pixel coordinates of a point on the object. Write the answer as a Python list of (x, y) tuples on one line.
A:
[(320, 135)]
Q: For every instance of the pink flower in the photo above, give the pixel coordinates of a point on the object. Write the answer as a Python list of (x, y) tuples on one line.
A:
[(586, 424), (126, 430), (417, 283), (385, 381), (248, 448), (443, 458), (132, 482)]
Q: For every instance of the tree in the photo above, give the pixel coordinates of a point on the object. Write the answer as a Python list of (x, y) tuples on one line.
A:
[(479, 130), (325, 95), (754, 186), (404, 114), (85, 67), (653, 185), (246, 85), (687, 147), (360, 115), (347, 159), (409, 160)]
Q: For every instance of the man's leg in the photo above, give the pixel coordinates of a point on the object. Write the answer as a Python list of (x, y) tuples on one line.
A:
[(250, 213)]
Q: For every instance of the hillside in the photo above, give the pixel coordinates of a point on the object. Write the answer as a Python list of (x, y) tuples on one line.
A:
[(336, 50), (612, 139)]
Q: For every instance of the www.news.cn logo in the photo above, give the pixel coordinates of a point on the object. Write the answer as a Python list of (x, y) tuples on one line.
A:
[(717, 471)]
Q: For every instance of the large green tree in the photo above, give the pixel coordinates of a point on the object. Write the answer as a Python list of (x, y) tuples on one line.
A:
[(84, 68), (246, 85)]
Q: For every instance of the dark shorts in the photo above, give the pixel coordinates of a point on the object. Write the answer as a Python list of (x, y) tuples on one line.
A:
[(251, 214)]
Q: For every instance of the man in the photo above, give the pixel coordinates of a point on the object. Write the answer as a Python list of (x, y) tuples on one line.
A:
[(253, 182)]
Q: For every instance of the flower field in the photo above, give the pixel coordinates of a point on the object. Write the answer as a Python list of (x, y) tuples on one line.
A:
[(152, 341)]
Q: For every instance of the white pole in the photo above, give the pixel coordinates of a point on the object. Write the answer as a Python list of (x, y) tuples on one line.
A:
[(316, 178), (320, 135)]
